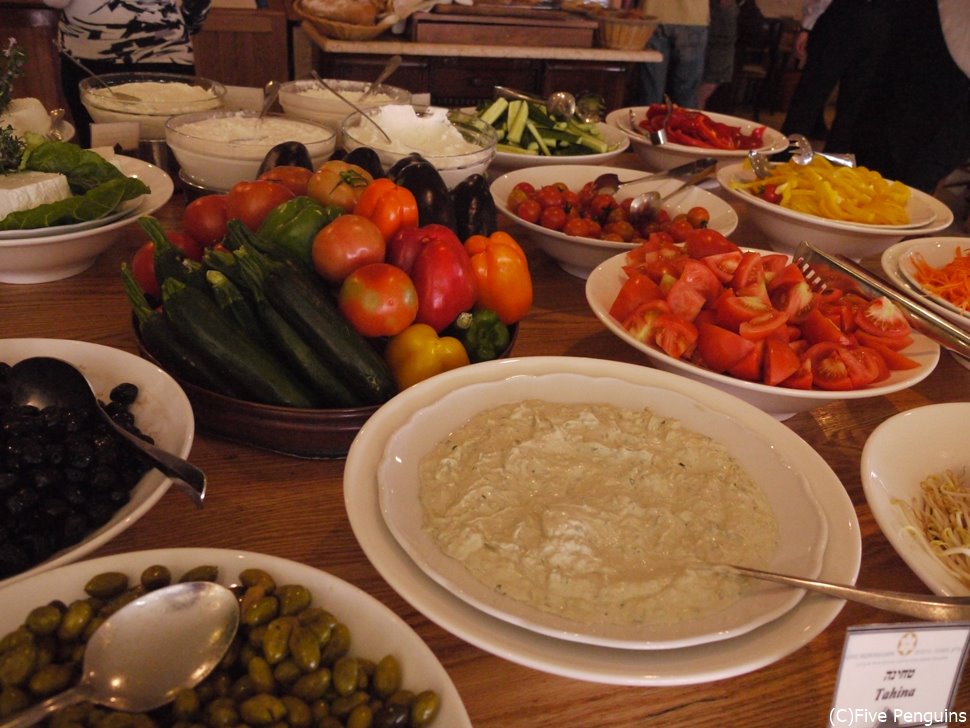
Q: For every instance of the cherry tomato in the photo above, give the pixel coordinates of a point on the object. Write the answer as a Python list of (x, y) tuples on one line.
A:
[(679, 229), (143, 269), (292, 176), (205, 219), (529, 210), (549, 196), (345, 244), (379, 299), (516, 197), (251, 201), (698, 217), (553, 218)]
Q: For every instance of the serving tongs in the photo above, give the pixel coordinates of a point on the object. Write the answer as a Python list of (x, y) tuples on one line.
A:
[(800, 152), (824, 270)]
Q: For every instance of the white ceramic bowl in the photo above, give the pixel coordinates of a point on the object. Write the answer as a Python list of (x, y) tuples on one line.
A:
[(578, 255), (668, 156), (375, 630), (51, 256), (158, 103), (785, 228), (507, 161), (897, 262), (307, 99), (453, 168), (605, 282), (162, 410), (217, 149), (901, 453)]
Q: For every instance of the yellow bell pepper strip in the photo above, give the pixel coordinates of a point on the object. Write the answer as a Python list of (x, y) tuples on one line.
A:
[(418, 353), (502, 274)]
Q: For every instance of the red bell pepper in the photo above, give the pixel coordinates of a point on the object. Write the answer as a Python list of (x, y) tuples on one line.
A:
[(441, 270)]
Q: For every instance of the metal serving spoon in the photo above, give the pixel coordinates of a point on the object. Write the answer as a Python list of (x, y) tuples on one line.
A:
[(350, 103), (270, 93), (143, 654), (393, 63), (929, 607), (57, 117), (646, 204), (610, 183), (120, 95), (558, 103), (43, 381)]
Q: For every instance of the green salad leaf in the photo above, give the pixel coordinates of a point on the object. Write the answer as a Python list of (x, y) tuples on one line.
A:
[(92, 205), (83, 168)]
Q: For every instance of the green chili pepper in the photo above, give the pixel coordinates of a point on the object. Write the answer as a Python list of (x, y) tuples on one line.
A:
[(482, 333), (293, 224)]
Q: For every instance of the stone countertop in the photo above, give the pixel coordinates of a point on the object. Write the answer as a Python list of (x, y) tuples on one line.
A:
[(389, 44)]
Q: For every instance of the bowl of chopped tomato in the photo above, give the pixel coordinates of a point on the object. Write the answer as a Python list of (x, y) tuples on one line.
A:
[(692, 134), (747, 322), (579, 229)]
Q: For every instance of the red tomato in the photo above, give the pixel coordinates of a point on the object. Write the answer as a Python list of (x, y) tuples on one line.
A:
[(763, 325), (750, 367), (640, 323), (205, 219), (780, 362), (549, 196), (896, 343), (379, 299), (345, 244), (702, 242), (723, 265), (702, 279), (750, 271), (529, 210), (796, 300), (698, 216), (636, 290), (143, 269), (829, 370), (721, 349), (818, 328), (731, 310), (802, 378), (191, 247), (685, 300), (894, 360), (674, 335), (294, 177), (553, 218), (251, 201), (679, 229), (882, 317), (786, 275)]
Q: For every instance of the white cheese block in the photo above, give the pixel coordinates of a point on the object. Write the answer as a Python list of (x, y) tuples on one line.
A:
[(26, 190)]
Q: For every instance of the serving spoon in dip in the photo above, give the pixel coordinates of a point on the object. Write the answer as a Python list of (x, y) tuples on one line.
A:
[(120, 95), (143, 654), (350, 103), (393, 63), (44, 381)]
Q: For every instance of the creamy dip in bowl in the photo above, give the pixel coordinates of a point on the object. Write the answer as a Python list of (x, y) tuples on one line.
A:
[(307, 99), (216, 149), (160, 96), (456, 143)]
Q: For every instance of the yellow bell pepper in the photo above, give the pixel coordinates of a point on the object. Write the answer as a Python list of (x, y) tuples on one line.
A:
[(418, 353)]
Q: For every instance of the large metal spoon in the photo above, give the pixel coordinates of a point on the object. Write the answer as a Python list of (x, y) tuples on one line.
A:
[(143, 654), (393, 63), (351, 104), (44, 381), (120, 95), (558, 103), (270, 93), (609, 182), (646, 204)]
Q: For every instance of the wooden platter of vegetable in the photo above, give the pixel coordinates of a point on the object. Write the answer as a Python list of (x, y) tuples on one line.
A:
[(293, 306)]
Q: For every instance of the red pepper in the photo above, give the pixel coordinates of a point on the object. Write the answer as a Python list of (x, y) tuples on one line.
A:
[(441, 270)]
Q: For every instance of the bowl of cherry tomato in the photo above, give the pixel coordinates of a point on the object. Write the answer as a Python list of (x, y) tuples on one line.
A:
[(693, 134), (747, 322), (580, 228)]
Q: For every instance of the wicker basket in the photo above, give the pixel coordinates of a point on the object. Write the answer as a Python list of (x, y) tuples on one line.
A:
[(343, 31), (625, 33)]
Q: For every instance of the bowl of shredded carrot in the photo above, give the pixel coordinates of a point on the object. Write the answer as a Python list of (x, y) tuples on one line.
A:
[(938, 269)]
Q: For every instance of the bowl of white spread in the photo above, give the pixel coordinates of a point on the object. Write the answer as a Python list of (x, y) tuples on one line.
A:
[(158, 97), (216, 149), (307, 99), (456, 143)]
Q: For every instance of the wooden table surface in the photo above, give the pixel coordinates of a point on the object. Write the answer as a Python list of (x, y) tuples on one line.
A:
[(292, 508)]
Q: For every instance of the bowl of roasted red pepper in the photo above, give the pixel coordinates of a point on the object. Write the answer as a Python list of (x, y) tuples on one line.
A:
[(309, 297), (692, 134)]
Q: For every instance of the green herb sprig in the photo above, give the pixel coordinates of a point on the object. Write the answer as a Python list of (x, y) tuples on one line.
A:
[(12, 60)]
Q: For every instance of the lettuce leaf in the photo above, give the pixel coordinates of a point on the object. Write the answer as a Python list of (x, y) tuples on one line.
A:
[(83, 168), (93, 204)]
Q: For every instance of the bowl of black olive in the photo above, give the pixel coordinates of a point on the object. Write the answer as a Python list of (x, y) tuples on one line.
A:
[(67, 483)]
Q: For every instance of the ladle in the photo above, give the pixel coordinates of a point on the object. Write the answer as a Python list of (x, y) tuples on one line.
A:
[(45, 381), (929, 607), (121, 95), (393, 63), (646, 204), (351, 104), (143, 654), (609, 182), (270, 93), (558, 103)]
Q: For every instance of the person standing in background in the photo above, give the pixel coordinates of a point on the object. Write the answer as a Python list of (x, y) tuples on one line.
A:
[(722, 37), (843, 42), (110, 36), (681, 37)]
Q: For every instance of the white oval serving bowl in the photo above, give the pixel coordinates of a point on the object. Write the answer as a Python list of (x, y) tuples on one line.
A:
[(217, 149), (40, 258), (307, 99), (899, 454), (375, 630), (578, 255), (670, 155), (162, 410), (785, 228), (617, 141), (605, 282)]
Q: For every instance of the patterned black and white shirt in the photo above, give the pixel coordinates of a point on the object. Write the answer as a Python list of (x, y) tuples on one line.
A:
[(130, 31)]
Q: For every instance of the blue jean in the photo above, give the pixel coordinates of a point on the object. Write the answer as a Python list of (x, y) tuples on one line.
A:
[(679, 73)]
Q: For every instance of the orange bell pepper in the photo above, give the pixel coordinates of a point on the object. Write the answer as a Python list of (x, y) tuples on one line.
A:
[(388, 205), (502, 273)]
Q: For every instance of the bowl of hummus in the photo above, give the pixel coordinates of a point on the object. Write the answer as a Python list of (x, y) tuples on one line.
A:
[(148, 98)]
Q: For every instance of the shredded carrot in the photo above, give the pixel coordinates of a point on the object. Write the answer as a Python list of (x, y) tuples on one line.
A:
[(951, 282)]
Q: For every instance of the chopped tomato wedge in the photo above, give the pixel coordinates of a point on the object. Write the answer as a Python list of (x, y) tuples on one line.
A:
[(731, 310), (896, 343), (801, 379), (675, 336), (723, 265), (788, 275), (829, 370), (685, 301), (873, 360), (882, 317), (749, 368), (635, 291), (750, 270), (773, 263), (817, 327), (702, 279), (764, 325), (640, 323), (719, 348), (780, 362), (797, 300), (894, 360), (703, 242)]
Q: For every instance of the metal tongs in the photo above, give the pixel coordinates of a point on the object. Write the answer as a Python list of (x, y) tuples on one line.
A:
[(825, 270), (800, 152)]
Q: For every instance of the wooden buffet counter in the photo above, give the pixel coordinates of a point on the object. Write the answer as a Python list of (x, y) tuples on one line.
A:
[(270, 503)]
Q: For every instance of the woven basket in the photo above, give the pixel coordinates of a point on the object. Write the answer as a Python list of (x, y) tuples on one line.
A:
[(625, 34), (343, 31)]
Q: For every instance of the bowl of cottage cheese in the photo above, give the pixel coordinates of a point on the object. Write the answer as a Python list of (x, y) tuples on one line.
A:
[(216, 149), (458, 144), (148, 98), (308, 99)]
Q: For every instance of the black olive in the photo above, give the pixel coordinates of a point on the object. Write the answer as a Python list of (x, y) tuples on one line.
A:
[(125, 393)]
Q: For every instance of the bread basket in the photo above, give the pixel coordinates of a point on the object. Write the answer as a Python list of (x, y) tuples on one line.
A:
[(623, 30), (344, 31)]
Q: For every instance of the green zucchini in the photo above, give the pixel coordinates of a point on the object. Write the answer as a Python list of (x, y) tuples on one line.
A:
[(229, 298), (169, 260), (308, 307), (261, 376), (160, 341)]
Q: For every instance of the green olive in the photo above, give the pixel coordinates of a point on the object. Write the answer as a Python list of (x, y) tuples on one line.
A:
[(258, 577), (298, 713), (17, 664), (45, 619), (424, 708), (338, 645), (52, 678), (287, 672), (221, 713), (344, 705), (387, 676), (155, 577), (345, 672), (261, 611), (121, 600), (261, 674), (313, 685), (294, 598), (12, 700), (107, 585), (262, 709), (201, 573), (305, 648), (361, 717), (186, 704), (78, 614), (276, 640)]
